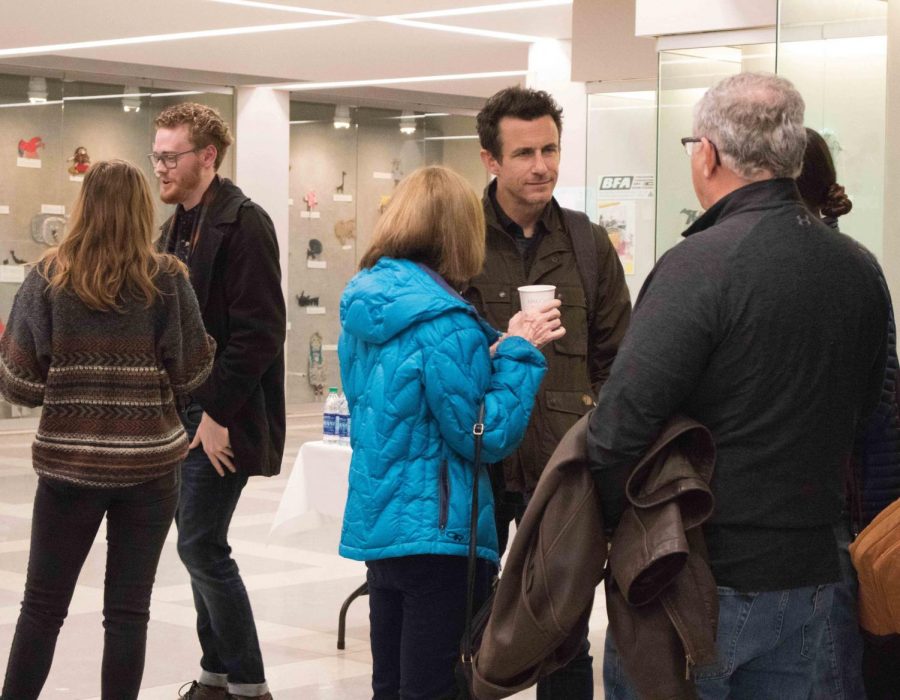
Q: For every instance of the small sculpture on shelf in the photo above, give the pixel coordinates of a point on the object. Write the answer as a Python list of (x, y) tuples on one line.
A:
[(340, 188), (311, 199), (316, 372), (80, 160), (304, 300), (314, 250), (29, 149), (383, 202), (345, 230), (14, 258), (690, 216), (396, 172)]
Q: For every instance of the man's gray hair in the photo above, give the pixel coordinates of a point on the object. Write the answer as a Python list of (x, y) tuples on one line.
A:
[(755, 121)]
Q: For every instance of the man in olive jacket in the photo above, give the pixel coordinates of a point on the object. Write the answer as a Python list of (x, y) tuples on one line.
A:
[(529, 241), (236, 419)]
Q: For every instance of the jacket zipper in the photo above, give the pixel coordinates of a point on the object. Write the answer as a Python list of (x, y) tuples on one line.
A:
[(688, 656), (444, 496)]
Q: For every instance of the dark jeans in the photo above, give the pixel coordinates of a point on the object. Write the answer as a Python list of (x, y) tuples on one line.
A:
[(225, 626), (417, 610), (64, 525), (575, 680)]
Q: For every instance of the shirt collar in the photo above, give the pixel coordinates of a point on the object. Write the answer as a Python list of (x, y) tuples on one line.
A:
[(544, 223), (757, 195)]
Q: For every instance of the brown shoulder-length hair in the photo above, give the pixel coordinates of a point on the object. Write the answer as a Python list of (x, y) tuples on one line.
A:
[(108, 255), (434, 217)]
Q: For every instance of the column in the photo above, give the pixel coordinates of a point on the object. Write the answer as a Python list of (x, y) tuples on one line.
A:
[(891, 251)]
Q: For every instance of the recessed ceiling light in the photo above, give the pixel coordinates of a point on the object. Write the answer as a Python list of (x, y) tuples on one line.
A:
[(452, 28), (284, 8), (485, 9)]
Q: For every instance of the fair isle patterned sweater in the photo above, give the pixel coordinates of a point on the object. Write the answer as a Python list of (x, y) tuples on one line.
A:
[(108, 381)]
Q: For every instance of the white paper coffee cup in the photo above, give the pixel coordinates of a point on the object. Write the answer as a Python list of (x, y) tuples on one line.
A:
[(535, 295)]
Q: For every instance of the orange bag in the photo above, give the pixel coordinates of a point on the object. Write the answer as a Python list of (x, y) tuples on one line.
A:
[(876, 558)]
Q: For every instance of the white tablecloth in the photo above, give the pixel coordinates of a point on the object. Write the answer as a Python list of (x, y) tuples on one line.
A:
[(317, 486)]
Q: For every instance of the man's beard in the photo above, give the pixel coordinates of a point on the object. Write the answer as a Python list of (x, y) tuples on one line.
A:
[(180, 191)]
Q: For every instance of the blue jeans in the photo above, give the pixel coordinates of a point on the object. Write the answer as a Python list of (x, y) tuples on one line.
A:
[(225, 626), (65, 523), (417, 611), (768, 644), (839, 674)]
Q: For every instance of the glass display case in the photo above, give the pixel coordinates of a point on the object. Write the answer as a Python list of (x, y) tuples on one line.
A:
[(620, 177), (345, 162), (51, 131), (835, 52)]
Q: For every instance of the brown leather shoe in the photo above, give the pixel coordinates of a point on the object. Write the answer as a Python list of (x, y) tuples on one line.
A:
[(198, 691)]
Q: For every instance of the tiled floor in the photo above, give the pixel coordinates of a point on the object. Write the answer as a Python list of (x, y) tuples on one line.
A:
[(296, 582)]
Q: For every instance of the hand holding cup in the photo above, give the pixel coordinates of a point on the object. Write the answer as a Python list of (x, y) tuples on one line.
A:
[(539, 324)]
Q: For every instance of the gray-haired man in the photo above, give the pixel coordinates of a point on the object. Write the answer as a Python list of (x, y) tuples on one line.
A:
[(769, 328)]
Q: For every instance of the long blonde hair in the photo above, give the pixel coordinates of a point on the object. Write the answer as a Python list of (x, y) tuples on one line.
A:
[(434, 217), (108, 254)]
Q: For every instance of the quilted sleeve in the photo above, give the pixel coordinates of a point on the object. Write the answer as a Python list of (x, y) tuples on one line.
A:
[(459, 373)]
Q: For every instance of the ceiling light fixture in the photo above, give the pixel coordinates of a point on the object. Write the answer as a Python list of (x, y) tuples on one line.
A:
[(131, 101), (485, 9), (407, 123), (283, 8), (37, 91), (453, 29), (177, 36), (337, 84), (341, 117)]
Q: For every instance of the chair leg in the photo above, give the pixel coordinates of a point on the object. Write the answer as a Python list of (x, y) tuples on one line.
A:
[(342, 617)]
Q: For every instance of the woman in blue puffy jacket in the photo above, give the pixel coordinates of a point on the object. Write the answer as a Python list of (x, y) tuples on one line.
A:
[(416, 363)]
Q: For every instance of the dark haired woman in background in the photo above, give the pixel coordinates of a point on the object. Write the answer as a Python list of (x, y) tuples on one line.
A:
[(872, 482)]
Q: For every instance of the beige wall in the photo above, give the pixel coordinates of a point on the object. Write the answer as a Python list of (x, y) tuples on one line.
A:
[(604, 46), (891, 257), (659, 17)]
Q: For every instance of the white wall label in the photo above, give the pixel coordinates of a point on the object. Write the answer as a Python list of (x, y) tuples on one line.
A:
[(315, 310), (53, 209), (331, 348), (28, 162), (346, 247), (290, 201), (316, 264), (343, 198), (310, 215), (382, 176), (12, 273), (4, 209), (76, 178)]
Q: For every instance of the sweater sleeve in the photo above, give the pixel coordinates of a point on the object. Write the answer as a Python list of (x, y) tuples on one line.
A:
[(25, 347), (186, 349), (456, 381)]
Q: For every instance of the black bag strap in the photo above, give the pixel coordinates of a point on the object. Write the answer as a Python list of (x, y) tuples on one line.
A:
[(477, 431), (584, 244)]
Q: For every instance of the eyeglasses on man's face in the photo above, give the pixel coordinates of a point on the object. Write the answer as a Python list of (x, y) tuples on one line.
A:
[(689, 141), (169, 160)]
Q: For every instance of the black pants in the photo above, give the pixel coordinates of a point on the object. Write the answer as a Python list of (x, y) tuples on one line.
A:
[(65, 522), (575, 680), (417, 608)]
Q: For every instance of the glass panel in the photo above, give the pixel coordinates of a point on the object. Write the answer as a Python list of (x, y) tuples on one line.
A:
[(621, 166), (59, 129), (684, 75), (835, 52), (347, 160)]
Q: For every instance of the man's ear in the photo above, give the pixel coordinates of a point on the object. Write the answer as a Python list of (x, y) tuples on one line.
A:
[(208, 156), (709, 157), (491, 164)]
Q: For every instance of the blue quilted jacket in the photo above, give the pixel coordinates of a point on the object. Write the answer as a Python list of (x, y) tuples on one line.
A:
[(415, 366)]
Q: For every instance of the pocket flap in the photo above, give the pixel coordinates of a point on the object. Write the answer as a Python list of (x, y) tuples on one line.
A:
[(575, 402)]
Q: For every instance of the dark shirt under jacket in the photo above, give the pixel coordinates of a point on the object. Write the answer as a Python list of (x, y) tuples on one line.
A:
[(183, 228), (769, 328), (527, 245)]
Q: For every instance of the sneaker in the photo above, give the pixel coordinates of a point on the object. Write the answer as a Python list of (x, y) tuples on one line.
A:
[(198, 691), (264, 696)]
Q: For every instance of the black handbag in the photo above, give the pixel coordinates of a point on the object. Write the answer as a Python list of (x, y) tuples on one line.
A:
[(475, 625)]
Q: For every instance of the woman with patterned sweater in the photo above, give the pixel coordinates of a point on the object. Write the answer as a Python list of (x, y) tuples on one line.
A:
[(106, 334)]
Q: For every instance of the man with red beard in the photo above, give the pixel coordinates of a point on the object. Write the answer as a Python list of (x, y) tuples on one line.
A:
[(236, 419)]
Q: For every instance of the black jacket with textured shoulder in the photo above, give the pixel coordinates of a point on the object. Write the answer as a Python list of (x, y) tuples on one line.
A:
[(236, 274), (579, 362)]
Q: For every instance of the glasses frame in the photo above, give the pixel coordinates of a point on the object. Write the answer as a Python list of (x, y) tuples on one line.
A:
[(699, 139), (164, 158)]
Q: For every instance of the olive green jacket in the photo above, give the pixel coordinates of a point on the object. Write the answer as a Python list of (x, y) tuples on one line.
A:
[(578, 363)]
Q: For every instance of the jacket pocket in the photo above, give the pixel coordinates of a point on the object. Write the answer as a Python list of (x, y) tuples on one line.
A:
[(443, 495), (496, 300), (562, 409), (574, 320)]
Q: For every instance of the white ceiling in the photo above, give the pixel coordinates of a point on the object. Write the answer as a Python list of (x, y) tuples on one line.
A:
[(362, 48)]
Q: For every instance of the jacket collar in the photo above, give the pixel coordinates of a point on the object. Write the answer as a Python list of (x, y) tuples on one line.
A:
[(495, 217), (765, 194)]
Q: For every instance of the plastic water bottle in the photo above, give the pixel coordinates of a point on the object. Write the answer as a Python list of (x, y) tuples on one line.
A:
[(343, 422), (330, 416)]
